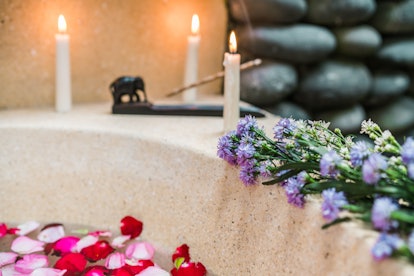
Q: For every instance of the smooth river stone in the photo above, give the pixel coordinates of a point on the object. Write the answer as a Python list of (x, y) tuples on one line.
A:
[(394, 17), (359, 41), (287, 109), (267, 11), (387, 84), (299, 43), (333, 84), (397, 116), (411, 87), (339, 12), (348, 120), (398, 51), (268, 83)]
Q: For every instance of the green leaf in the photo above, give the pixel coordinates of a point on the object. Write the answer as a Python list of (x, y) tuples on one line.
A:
[(178, 262), (336, 221), (284, 176), (292, 170), (402, 215)]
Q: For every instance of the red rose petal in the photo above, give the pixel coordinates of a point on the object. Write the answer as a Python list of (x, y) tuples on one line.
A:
[(3, 229), (138, 266), (96, 270), (72, 262), (190, 269), (131, 226), (98, 251), (13, 231), (182, 252), (123, 271)]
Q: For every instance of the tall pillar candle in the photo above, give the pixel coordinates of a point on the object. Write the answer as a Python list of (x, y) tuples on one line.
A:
[(191, 67), (231, 109), (63, 100)]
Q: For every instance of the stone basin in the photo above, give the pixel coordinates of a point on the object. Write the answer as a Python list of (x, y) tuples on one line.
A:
[(90, 167)]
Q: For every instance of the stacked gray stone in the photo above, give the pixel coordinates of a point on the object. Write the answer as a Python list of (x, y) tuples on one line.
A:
[(342, 61)]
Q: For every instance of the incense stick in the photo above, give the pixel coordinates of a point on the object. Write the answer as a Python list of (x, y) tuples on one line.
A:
[(210, 78)]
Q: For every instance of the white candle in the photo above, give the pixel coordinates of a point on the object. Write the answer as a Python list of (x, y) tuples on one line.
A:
[(191, 68), (231, 109), (63, 100)]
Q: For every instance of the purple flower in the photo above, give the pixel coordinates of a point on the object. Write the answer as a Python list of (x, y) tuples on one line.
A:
[(226, 148), (410, 169), (328, 164), (381, 212), (332, 203), (411, 242), (292, 190), (249, 172), (407, 151), (245, 126), (263, 169), (245, 150), (385, 246), (284, 126), (359, 151), (372, 167)]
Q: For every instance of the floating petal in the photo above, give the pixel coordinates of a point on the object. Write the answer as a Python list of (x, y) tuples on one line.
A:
[(25, 245), (51, 233), (140, 251)]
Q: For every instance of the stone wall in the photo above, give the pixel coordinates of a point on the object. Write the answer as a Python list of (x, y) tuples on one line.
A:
[(342, 61)]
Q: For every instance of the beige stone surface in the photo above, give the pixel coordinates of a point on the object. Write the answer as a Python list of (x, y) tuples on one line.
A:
[(108, 38), (90, 167)]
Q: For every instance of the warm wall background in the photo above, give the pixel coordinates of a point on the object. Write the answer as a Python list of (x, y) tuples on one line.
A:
[(108, 39)]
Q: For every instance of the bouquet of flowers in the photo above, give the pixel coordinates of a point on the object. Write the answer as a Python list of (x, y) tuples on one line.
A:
[(370, 179)]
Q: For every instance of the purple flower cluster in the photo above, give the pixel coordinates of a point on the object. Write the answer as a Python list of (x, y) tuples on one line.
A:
[(385, 246), (359, 151), (284, 126), (328, 164), (411, 242), (238, 149), (246, 126), (372, 168), (226, 148), (332, 203), (292, 187), (381, 214), (407, 155)]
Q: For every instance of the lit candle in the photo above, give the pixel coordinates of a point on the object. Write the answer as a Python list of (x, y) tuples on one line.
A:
[(191, 68), (63, 101), (231, 109)]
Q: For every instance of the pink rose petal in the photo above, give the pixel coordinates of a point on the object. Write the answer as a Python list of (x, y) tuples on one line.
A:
[(8, 270), (66, 244), (154, 271), (7, 258), (30, 262), (140, 251), (50, 234), (44, 271), (85, 242), (25, 245), (119, 241), (3, 229), (27, 227), (115, 260)]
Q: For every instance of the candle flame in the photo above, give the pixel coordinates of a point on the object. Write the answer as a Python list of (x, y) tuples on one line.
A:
[(233, 43), (62, 24), (195, 25)]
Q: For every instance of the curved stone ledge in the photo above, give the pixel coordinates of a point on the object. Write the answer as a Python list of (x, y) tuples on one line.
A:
[(90, 167)]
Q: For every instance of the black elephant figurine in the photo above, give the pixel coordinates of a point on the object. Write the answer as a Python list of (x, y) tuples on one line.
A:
[(128, 86)]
